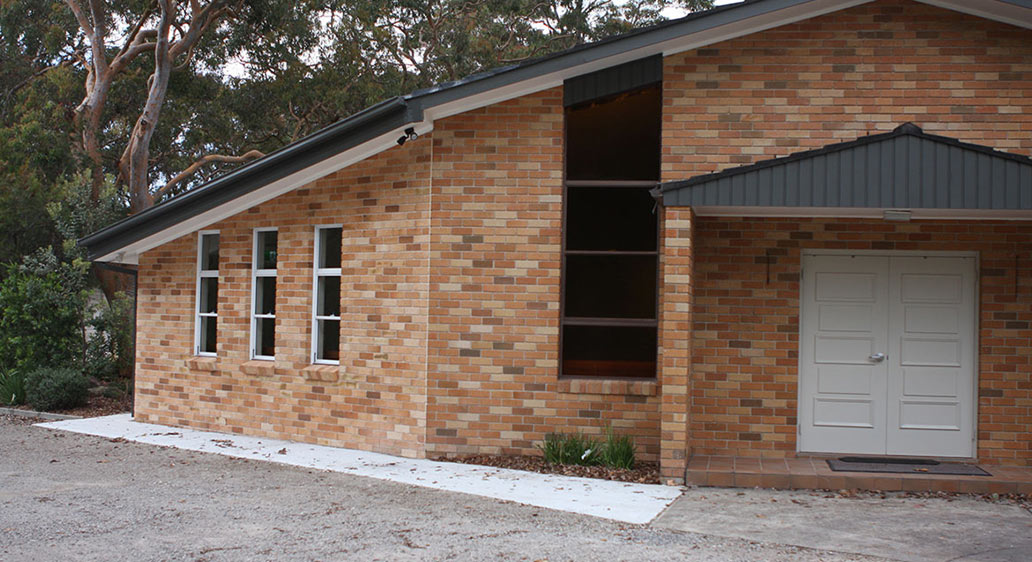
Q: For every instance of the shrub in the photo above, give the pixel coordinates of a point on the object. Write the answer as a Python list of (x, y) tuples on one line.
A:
[(618, 450), (571, 448), (42, 303), (50, 389), (12, 387)]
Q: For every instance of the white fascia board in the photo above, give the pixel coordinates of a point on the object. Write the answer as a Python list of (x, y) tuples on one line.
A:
[(130, 254), (862, 212), (1003, 12)]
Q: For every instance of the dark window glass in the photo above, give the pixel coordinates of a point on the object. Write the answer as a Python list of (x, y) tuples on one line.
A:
[(329, 248), (209, 295), (617, 138), (609, 351), (329, 340), (210, 252), (610, 218), (329, 296), (265, 297), (266, 337), (611, 286), (267, 249), (208, 334)]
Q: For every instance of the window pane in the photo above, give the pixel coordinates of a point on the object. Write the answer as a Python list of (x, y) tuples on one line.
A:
[(611, 286), (208, 334), (329, 296), (209, 301), (329, 340), (265, 338), (610, 218), (617, 138), (265, 295), (329, 248), (210, 252), (267, 249), (609, 351)]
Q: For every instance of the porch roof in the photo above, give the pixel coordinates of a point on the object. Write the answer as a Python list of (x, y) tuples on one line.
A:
[(904, 169)]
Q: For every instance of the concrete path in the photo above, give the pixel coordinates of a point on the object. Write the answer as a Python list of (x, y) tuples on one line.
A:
[(912, 529), (619, 501)]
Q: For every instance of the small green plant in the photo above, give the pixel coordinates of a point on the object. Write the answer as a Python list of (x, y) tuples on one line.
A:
[(571, 448), (50, 389), (618, 450), (12, 387)]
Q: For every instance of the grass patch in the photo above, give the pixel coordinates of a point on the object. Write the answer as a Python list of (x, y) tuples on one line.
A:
[(616, 451)]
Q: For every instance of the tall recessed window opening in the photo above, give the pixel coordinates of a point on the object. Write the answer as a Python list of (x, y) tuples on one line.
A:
[(205, 331), (611, 237), (263, 312), (326, 296)]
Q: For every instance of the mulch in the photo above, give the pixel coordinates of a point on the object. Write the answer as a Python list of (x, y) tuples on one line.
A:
[(95, 406), (642, 473)]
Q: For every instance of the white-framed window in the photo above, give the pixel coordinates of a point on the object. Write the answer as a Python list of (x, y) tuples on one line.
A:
[(205, 329), (263, 290), (326, 295)]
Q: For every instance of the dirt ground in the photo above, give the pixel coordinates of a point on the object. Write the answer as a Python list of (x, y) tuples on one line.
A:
[(66, 496)]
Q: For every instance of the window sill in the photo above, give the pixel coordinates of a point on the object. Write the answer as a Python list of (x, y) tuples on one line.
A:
[(603, 386), (259, 367), (203, 363), (321, 373)]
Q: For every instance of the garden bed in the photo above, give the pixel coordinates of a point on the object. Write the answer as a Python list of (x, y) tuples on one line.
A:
[(96, 406), (642, 473)]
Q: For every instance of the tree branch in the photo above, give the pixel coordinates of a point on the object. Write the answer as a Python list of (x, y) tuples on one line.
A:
[(204, 161)]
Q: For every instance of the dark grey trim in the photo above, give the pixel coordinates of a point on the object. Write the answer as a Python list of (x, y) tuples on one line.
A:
[(905, 169), (393, 114), (614, 80)]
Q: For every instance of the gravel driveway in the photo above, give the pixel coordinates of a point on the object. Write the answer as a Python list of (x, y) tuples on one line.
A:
[(74, 497)]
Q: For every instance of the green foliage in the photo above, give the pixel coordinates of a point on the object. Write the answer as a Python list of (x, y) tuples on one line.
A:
[(43, 303), (109, 349), (12, 387), (571, 448), (75, 214), (618, 451), (49, 389)]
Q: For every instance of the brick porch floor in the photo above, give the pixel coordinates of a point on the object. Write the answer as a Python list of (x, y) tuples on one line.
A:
[(813, 473)]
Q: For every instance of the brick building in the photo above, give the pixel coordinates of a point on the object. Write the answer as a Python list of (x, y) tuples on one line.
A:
[(776, 228)]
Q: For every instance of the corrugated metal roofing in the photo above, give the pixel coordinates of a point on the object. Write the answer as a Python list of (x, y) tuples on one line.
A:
[(904, 169), (614, 80)]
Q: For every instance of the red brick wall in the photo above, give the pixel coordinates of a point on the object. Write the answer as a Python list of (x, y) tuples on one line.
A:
[(843, 75), (494, 304), (746, 326), (376, 399)]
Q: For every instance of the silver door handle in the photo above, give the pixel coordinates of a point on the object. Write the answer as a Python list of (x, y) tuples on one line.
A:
[(877, 357)]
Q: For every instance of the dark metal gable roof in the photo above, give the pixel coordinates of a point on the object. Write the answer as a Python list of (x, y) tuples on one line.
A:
[(904, 169)]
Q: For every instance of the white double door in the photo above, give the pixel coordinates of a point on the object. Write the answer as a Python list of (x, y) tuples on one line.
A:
[(887, 355)]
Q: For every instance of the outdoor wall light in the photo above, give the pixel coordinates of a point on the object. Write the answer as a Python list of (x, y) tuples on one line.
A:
[(410, 134)]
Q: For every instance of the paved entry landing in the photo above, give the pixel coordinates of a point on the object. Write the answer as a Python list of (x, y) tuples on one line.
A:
[(813, 473)]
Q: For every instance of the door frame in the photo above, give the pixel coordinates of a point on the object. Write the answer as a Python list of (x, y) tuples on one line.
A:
[(816, 252)]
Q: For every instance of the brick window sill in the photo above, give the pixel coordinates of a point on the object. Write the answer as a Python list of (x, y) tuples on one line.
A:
[(259, 368), (601, 386), (209, 364), (321, 373)]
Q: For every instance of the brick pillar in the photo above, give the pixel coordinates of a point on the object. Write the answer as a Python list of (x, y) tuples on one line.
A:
[(675, 331)]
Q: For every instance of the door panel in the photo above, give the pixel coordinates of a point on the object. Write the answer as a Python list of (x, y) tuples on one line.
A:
[(917, 313), (931, 357), (844, 304)]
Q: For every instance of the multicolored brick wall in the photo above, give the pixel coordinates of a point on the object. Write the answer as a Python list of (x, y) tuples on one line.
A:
[(746, 326), (802, 86), (494, 292), (841, 76), (376, 398)]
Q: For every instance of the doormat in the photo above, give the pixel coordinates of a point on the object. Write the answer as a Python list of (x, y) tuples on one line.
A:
[(903, 466)]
